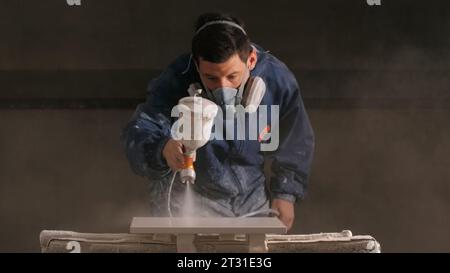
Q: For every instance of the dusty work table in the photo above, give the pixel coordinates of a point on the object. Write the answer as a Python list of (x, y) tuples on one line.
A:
[(187, 228)]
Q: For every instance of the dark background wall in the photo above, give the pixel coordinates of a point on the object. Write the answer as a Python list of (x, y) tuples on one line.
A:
[(375, 80)]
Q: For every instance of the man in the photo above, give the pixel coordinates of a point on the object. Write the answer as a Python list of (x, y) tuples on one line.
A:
[(230, 173)]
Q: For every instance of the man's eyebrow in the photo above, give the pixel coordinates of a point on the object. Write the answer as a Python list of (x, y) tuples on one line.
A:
[(213, 76), (209, 75)]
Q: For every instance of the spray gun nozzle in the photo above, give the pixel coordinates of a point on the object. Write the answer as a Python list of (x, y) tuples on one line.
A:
[(187, 176), (188, 181)]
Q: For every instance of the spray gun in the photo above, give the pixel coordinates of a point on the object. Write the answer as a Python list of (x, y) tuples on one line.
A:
[(193, 131), (196, 119)]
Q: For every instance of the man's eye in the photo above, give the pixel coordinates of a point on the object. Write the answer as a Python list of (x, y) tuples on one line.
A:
[(212, 79)]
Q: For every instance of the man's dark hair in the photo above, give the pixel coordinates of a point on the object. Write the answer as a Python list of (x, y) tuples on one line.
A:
[(218, 42)]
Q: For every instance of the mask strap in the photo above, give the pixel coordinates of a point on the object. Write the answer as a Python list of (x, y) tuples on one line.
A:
[(188, 65), (207, 91), (222, 22), (240, 92)]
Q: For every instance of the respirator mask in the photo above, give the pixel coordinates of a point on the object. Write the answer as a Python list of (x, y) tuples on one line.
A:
[(249, 93)]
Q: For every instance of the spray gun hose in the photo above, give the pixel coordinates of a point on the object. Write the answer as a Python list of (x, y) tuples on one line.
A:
[(170, 193)]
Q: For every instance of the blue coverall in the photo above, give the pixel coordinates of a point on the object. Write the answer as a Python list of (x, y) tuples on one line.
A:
[(230, 173)]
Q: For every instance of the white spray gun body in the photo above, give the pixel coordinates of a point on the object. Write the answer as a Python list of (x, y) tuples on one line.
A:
[(194, 129)]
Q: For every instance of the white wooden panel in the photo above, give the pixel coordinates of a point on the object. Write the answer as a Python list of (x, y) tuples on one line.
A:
[(220, 225)]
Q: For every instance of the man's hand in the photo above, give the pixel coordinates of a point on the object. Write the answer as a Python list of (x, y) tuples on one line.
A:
[(286, 210), (173, 153)]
